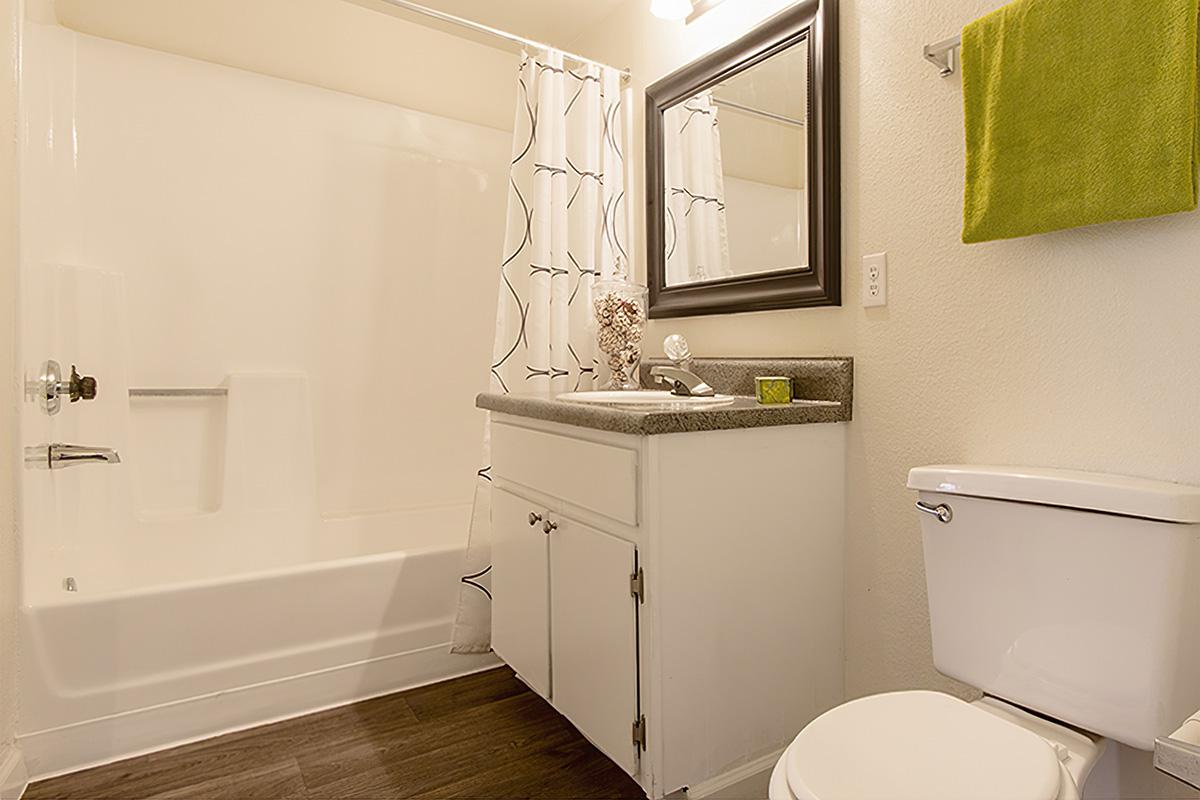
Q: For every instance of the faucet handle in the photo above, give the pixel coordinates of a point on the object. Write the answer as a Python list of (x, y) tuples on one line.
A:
[(682, 382), (81, 387), (676, 349), (50, 388)]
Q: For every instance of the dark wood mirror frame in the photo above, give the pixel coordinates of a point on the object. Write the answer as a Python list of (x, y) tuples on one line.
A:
[(820, 284)]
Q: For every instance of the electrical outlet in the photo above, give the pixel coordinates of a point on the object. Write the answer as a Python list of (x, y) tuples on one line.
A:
[(874, 280)]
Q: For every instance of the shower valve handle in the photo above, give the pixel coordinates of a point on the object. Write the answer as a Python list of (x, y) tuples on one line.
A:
[(50, 388), (81, 387)]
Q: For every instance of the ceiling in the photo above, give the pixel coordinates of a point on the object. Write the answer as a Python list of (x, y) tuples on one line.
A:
[(553, 22)]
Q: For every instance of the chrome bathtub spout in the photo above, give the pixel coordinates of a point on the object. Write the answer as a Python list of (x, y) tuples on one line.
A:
[(59, 456)]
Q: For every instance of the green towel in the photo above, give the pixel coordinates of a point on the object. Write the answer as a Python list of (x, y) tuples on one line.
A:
[(1079, 112)]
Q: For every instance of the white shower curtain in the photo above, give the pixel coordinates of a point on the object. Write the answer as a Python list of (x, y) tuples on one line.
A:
[(568, 225), (697, 240)]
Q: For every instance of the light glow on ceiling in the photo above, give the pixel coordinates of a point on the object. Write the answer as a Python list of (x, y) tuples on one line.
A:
[(678, 10), (671, 9)]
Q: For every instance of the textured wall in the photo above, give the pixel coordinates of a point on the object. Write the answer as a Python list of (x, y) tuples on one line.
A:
[(1074, 349)]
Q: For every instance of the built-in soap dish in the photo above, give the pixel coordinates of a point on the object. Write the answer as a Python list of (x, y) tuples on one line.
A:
[(177, 449)]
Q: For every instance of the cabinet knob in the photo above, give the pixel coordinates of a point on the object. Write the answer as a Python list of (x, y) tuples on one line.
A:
[(534, 518), (548, 526)]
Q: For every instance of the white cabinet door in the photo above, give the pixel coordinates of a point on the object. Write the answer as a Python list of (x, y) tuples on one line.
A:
[(520, 589), (594, 636)]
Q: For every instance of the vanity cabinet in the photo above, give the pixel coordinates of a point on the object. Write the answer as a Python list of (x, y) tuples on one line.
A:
[(562, 596), (677, 597)]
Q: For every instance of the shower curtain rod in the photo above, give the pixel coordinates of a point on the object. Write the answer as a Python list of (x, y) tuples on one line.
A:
[(481, 28), (758, 112)]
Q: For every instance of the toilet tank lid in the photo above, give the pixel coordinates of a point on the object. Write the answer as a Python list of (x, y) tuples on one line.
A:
[(1088, 491)]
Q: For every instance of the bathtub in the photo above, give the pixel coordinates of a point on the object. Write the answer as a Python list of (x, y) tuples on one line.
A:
[(226, 576), (167, 650)]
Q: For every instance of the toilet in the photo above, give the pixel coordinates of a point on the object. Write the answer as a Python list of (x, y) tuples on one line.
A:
[(1070, 599)]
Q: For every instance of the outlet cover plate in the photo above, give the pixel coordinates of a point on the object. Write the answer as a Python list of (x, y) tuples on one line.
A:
[(874, 280)]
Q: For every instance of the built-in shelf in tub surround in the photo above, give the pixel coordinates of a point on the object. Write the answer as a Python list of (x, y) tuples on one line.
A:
[(824, 388)]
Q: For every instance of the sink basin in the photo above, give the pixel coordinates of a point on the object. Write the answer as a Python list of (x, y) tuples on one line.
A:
[(646, 400)]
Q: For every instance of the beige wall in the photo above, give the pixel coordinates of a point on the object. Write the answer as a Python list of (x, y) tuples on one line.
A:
[(9, 396), (1074, 349), (329, 43)]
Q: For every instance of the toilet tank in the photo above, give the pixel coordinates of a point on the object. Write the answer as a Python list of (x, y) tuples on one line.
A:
[(1073, 594)]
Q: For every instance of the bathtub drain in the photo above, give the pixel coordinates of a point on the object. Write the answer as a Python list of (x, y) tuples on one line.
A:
[(70, 585)]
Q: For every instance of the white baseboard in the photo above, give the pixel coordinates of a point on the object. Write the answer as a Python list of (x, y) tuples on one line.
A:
[(747, 782), (70, 748), (13, 776)]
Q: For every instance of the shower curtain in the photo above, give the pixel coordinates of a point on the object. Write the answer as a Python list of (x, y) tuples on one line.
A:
[(568, 226), (697, 240)]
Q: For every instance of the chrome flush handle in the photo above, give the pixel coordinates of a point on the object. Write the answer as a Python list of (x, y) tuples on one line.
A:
[(943, 512)]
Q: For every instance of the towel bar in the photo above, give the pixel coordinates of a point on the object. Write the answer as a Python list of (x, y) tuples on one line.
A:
[(941, 55)]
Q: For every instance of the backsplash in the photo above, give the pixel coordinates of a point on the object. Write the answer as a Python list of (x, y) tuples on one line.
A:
[(812, 378)]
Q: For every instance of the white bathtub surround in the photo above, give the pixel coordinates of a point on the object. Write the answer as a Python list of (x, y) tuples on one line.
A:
[(265, 226), (697, 235), (568, 226), (260, 553), (762, 224)]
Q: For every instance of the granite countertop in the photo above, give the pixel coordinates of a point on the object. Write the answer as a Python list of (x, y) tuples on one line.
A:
[(824, 386)]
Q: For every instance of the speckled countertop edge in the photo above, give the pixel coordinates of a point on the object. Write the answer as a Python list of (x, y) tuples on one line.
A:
[(827, 382)]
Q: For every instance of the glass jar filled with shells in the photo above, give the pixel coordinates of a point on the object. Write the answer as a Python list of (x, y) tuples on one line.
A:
[(619, 313)]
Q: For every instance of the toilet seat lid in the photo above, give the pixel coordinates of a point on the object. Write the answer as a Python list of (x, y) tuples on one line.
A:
[(919, 746)]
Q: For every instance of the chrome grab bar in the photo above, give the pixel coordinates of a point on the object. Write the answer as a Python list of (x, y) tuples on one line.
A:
[(215, 391), (943, 512), (59, 455)]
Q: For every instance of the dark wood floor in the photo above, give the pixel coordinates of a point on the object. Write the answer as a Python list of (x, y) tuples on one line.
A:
[(483, 736)]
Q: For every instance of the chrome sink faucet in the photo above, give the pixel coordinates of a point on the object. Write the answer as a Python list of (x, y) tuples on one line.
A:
[(681, 379)]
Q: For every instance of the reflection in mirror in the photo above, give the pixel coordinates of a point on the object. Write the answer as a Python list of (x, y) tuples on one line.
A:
[(736, 164)]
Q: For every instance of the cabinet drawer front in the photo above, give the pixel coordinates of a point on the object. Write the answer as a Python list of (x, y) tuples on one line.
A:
[(599, 477)]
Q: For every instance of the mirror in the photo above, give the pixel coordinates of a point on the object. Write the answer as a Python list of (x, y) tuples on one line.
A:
[(735, 172), (742, 173)]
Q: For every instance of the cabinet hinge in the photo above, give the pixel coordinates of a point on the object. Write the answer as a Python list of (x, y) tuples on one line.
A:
[(637, 585), (639, 732)]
